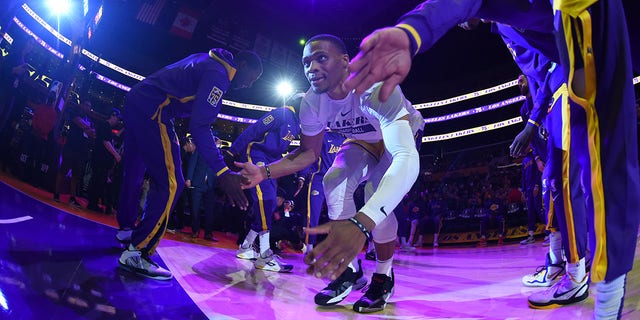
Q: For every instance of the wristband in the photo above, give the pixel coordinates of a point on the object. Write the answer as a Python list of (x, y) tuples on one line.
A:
[(266, 168), (361, 227)]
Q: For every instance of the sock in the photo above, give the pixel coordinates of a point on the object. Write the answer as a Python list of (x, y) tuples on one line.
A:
[(576, 270), (403, 241), (610, 298), (249, 239), (555, 247), (371, 246), (435, 238), (384, 267), (354, 265), (530, 233), (264, 243)]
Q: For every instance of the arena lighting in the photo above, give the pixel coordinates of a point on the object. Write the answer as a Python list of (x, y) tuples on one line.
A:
[(59, 7), (234, 104), (37, 39), (45, 25), (284, 89)]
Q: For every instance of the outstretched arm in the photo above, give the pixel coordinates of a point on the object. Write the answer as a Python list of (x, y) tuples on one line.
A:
[(307, 153)]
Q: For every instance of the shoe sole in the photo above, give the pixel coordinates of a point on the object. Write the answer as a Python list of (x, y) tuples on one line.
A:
[(374, 309), (239, 256), (143, 274), (359, 284), (333, 301), (559, 303), (288, 269)]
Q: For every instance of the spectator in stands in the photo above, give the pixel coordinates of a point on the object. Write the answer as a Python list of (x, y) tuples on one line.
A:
[(75, 149), (423, 219), (40, 143), (103, 158), (13, 97), (493, 211), (200, 178), (402, 215), (286, 227)]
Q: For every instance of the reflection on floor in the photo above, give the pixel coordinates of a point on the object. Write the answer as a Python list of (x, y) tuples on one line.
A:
[(57, 265)]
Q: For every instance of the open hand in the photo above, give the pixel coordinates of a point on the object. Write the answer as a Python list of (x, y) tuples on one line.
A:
[(385, 55), (231, 183), (332, 256), (252, 174)]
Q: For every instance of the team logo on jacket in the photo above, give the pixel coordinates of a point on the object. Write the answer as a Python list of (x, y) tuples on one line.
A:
[(315, 192), (288, 137), (214, 96)]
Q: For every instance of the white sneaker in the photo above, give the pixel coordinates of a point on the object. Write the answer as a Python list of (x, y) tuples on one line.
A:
[(545, 276), (564, 292), (246, 253), (135, 261), (435, 244), (407, 248), (528, 240), (272, 262)]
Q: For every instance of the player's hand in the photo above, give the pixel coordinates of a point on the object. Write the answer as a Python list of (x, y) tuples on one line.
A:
[(251, 173), (231, 183), (332, 256), (520, 144), (385, 55), (540, 165)]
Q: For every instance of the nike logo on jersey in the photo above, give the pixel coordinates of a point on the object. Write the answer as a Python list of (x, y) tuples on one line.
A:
[(384, 212), (345, 113)]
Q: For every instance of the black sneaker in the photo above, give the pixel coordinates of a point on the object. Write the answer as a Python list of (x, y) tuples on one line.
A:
[(376, 296), (340, 288), (56, 197)]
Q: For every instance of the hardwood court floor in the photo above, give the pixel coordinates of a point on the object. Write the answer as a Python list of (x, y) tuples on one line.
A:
[(59, 265)]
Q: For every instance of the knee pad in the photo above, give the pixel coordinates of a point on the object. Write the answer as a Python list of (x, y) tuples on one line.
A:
[(386, 231)]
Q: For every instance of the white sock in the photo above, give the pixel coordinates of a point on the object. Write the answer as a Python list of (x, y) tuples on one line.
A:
[(609, 298), (264, 242), (384, 267), (354, 265), (403, 241), (555, 247), (531, 233), (576, 270), (249, 239), (435, 238)]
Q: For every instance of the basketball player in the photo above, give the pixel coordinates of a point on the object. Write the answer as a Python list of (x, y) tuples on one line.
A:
[(379, 148)]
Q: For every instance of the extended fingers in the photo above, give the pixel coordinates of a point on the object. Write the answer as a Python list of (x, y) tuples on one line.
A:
[(321, 229), (330, 264)]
